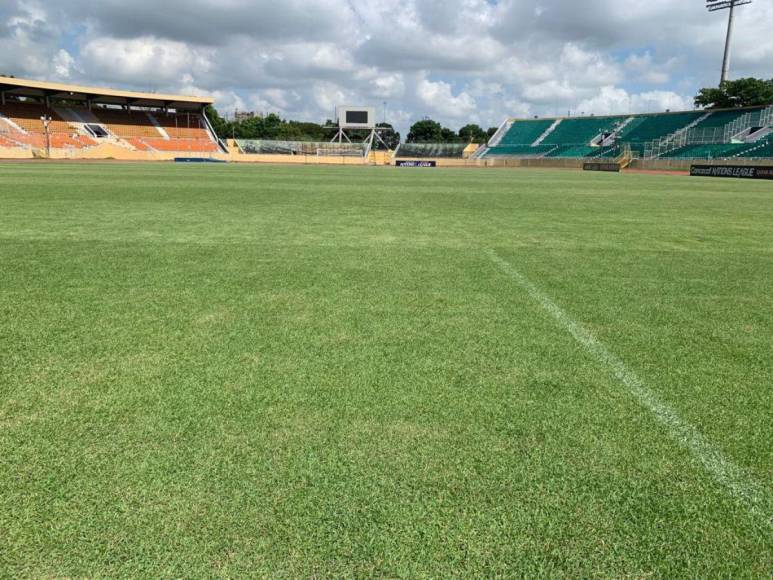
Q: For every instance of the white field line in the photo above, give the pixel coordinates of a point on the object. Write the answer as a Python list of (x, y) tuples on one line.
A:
[(724, 471)]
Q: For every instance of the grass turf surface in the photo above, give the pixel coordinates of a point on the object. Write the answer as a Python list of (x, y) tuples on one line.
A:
[(299, 371)]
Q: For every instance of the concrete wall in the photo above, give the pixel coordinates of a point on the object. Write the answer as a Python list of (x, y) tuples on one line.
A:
[(14, 153), (539, 162), (108, 151), (295, 159), (111, 151), (684, 164)]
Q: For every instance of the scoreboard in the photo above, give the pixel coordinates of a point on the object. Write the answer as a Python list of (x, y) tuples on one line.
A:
[(356, 117)]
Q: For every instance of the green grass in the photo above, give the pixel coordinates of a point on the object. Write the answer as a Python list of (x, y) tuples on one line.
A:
[(308, 372)]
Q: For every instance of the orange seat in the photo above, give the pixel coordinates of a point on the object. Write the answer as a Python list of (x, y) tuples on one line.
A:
[(126, 124), (28, 117), (188, 132)]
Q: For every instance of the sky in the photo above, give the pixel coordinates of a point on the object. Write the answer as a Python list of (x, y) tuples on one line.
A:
[(455, 61)]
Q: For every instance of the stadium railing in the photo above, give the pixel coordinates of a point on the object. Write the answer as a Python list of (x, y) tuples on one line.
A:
[(719, 135), (315, 148), (431, 150)]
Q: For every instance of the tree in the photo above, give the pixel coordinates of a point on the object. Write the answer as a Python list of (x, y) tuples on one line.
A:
[(389, 135), (220, 125), (301, 131), (472, 134), (273, 127), (448, 136), (746, 92), (426, 131), (492, 131), (429, 131)]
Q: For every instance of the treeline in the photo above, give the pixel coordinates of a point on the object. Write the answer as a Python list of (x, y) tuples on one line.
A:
[(748, 92), (429, 131), (273, 127)]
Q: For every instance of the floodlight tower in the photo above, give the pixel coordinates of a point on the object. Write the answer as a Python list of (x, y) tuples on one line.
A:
[(715, 6)]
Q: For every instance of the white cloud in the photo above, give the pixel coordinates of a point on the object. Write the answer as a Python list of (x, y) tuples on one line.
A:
[(388, 86), (456, 60), (438, 97), (643, 68), (156, 61), (611, 100), (63, 64)]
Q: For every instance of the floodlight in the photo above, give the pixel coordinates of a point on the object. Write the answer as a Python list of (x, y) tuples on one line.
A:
[(715, 6)]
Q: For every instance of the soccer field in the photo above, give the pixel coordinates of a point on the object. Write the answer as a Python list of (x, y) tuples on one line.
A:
[(309, 372)]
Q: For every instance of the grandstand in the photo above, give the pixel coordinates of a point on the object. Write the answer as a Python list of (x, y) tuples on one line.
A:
[(720, 134), (431, 151), (41, 119), (314, 148), (52, 119)]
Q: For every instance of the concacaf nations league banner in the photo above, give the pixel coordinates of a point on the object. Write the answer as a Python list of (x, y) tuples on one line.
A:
[(740, 171), (414, 163)]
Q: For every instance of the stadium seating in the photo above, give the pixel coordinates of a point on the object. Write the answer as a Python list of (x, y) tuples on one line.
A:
[(431, 150), (27, 116), (519, 150), (139, 144), (709, 151), (152, 124), (21, 127), (6, 142), (525, 132), (647, 128), (182, 126), (761, 150), (267, 147), (573, 151), (126, 124), (581, 130), (686, 135), (720, 119), (608, 152)]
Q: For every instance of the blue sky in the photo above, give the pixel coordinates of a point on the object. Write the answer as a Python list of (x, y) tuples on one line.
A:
[(457, 61)]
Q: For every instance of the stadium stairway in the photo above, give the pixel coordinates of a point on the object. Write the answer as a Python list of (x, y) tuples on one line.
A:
[(706, 138), (648, 136), (582, 130), (22, 127), (526, 132), (547, 132), (501, 132), (648, 128), (605, 140)]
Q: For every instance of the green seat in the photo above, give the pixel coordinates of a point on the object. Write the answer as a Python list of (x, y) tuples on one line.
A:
[(651, 127), (432, 150), (526, 132), (519, 150), (721, 118), (582, 130)]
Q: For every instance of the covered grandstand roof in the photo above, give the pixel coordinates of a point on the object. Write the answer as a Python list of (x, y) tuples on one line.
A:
[(30, 88)]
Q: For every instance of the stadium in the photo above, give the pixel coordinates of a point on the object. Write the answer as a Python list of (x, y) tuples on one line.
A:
[(545, 350), (57, 121)]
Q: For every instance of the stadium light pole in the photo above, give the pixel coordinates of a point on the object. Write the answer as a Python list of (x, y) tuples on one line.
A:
[(46, 122), (716, 6)]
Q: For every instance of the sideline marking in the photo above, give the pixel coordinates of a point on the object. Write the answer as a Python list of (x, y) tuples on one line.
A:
[(724, 471)]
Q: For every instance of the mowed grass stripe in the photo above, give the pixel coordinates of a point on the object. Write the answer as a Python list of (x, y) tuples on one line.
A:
[(726, 472)]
